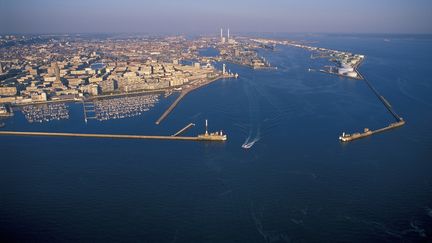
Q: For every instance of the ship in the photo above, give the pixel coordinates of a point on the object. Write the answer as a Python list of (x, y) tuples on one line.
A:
[(214, 136)]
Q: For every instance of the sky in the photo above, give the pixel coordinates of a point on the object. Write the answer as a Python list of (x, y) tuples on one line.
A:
[(207, 16)]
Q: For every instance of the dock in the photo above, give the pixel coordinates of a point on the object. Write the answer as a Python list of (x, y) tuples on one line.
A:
[(88, 108)]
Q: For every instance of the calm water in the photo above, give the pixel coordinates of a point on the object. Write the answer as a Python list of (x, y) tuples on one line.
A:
[(298, 183)]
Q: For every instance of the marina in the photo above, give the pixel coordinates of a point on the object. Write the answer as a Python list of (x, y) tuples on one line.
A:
[(123, 107), (45, 113)]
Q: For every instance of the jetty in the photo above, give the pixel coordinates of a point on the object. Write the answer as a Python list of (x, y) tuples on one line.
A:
[(186, 90), (171, 107), (216, 136), (366, 133), (183, 129)]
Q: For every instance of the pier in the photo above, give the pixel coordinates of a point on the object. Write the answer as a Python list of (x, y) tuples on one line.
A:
[(383, 100), (184, 92), (215, 136), (399, 120), (86, 135), (88, 107), (172, 106), (183, 129), (112, 136), (367, 132)]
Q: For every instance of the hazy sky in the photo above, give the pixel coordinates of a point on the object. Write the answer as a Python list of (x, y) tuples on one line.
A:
[(205, 16)]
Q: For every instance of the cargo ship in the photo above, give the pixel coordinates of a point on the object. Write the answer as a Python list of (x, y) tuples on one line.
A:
[(214, 136)]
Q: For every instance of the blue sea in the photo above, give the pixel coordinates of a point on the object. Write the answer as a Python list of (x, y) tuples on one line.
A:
[(297, 183)]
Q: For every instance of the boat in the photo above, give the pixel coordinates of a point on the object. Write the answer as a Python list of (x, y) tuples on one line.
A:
[(168, 93), (247, 145), (2, 124)]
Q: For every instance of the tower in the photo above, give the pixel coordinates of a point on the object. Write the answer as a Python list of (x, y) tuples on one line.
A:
[(222, 37), (224, 69), (228, 37), (57, 73)]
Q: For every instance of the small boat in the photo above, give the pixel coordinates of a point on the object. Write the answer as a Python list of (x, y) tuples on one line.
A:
[(2, 124), (248, 145)]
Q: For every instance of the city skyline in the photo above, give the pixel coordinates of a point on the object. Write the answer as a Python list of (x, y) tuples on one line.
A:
[(190, 16)]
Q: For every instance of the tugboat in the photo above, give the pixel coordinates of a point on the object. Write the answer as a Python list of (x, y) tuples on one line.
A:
[(214, 136)]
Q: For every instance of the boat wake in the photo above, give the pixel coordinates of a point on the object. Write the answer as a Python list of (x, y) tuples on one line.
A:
[(248, 144)]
